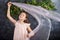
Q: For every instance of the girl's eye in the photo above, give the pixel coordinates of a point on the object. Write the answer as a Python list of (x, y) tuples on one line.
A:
[(23, 15)]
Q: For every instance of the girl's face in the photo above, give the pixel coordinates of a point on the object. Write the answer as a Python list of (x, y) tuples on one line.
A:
[(22, 16)]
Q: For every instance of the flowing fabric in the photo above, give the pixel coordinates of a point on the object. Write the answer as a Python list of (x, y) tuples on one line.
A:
[(43, 16)]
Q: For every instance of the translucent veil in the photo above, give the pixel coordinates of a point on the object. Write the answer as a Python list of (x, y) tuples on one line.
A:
[(43, 16)]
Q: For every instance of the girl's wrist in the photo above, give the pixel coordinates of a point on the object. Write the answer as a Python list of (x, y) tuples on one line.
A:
[(8, 7)]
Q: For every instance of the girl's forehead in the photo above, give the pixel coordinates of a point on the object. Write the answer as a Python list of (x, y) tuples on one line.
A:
[(23, 13)]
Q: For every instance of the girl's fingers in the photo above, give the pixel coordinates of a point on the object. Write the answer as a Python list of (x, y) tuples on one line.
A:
[(31, 34), (9, 4)]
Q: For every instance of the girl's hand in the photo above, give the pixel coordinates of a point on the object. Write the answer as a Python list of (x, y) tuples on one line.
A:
[(30, 34), (9, 4)]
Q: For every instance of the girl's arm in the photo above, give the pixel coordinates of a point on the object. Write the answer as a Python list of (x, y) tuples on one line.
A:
[(31, 33), (8, 14), (29, 29)]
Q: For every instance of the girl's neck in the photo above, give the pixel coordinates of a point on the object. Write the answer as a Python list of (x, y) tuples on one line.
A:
[(20, 21)]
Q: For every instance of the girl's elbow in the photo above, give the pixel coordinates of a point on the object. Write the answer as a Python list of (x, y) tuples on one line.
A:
[(8, 15)]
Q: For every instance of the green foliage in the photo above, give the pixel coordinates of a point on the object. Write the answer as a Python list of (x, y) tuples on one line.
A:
[(32, 2), (47, 4), (15, 11)]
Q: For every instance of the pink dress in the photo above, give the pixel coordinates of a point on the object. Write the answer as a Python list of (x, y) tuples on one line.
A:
[(20, 32)]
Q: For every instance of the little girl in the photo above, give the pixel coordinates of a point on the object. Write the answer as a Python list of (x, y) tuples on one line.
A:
[(21, 28)]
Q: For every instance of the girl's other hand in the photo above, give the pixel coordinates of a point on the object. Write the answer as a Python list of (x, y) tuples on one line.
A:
[(31, 34)]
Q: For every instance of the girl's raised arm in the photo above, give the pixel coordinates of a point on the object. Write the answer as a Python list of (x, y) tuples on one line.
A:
[(8, 13)]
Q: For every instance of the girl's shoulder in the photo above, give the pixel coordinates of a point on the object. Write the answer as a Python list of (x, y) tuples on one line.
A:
[(28, 24)]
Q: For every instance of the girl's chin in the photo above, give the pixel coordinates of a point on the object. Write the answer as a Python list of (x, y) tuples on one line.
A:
[(21, 19)]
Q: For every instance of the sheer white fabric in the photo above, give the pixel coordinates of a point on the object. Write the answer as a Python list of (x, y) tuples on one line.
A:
[(42, 31), (43, 16)]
